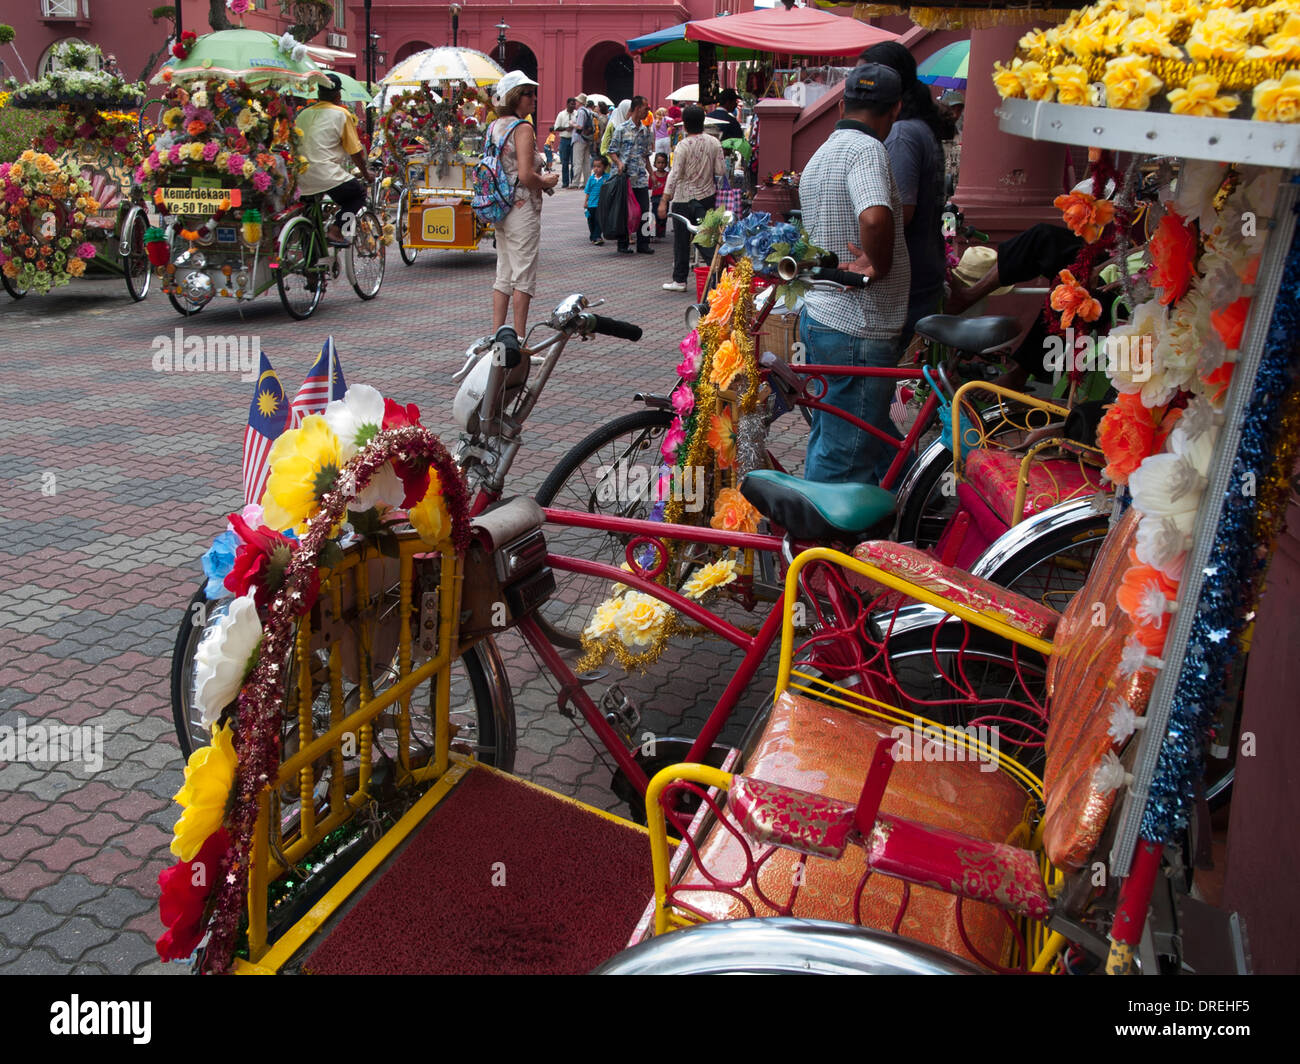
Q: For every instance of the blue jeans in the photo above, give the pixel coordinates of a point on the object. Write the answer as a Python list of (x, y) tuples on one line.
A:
[(837, 450), (593, 223), (566, 161)]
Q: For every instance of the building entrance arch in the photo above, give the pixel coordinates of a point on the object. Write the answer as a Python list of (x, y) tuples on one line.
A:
[(607, 67), (518, 56), (406, 51)]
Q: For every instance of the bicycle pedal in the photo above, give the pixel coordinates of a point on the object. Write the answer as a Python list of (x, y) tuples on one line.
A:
[(620, 711)]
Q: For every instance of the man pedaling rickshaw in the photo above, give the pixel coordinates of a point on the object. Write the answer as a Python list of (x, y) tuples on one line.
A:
[(329, 141)]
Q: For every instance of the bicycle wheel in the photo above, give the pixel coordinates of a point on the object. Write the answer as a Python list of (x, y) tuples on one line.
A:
[(11, 285), (300, 281), (1048, 557), (366, 255), (482, 709), (407, 252), (135, 264), (586, 480)]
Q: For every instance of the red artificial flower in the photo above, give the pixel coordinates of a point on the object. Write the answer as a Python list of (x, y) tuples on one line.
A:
[(1173, 251), (260, 561), (1230, 322), (1218, 381), (414, 478), (185, 888)]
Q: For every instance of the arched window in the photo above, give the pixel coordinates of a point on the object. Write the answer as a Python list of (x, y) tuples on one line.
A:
[(607, 68)]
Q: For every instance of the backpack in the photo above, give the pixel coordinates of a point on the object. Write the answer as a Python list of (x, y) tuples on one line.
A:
[(494, 192), (588, 127)]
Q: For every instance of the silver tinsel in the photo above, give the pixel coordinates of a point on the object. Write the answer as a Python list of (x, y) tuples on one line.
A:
[(751, 443)]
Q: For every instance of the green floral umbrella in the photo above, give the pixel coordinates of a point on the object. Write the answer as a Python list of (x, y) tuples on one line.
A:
[(251, 56)]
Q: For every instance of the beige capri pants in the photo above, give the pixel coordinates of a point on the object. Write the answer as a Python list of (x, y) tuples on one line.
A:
[(519, 238)]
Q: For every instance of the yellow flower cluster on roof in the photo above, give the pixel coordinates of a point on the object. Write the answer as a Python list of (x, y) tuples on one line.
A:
[(1129, 52)]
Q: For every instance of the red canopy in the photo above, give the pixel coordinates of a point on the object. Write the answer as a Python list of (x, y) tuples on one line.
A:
[(799, 31)]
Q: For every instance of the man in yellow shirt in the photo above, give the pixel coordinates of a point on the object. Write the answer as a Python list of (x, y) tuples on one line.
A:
[(329, 142)]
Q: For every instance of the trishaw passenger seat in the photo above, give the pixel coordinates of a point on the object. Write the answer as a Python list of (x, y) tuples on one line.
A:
[(975, 336), (994, 474), (814, 511)]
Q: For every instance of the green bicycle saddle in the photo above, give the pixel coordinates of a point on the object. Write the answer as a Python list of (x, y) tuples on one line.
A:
[(813, 510)]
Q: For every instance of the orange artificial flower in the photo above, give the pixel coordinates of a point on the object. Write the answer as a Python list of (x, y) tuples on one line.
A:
[(733, 513), (1173, 251), (196, 128), (721, 438), (1139, 595), (727, 364), (1073, 300), (1230, 322), (1217, 382), (722, 300), (1126, 435), (1085, 215)]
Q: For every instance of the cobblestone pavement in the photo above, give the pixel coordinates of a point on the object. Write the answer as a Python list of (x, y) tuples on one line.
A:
[(117, 478)]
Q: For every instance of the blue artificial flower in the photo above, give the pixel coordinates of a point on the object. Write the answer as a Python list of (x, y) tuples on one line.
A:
[(217, 562)]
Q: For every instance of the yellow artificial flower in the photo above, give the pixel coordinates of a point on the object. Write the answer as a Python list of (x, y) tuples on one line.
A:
[(429, 516), (1035, 41), (209, 777), (1278, 100), (46, 165), (1284, 44), (1130, 83), (1072, 87), (605, 619), (76, 267), (250, 168), (1147, 37), (245, 120), (223, 157), (304, 465), (1036, 81), (641, 620), (1006, 80), (715, 574), (194, 151), (172, 117), (1201, 97), (1220, 35)]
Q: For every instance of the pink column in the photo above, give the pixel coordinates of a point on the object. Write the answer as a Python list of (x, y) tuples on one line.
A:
[(1006, 183)]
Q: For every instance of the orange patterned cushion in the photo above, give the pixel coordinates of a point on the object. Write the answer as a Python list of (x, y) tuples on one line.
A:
[(1083, 685), (956, 585), (994, 473), (819, 748)]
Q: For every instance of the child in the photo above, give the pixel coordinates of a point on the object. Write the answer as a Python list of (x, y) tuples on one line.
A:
[(550, 149), (592, 189), (658, 178)]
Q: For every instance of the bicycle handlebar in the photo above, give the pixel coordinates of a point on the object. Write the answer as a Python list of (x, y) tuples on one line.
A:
[(623, 330), (847, 278)]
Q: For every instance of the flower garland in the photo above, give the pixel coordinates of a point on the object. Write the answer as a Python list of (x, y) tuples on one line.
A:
[(317, 476), (43, 212), (1125, 53), (76, 76), (417, 121)]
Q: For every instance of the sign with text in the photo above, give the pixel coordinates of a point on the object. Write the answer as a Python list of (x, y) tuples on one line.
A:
[(198, 200), (438, 225)]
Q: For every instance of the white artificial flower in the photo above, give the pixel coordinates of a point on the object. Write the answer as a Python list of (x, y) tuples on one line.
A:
[(356, 418), (1123, 721), (385, 489), (1162, 542), (1137, 376), (1197, 183), (1179, 350), (1152, 605), (224, 658), (1166, 484), (1199, 417), (1134, 658), (1110, 774)]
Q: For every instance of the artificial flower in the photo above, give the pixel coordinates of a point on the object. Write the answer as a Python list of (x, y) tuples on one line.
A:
[(683, 400), (260, 562), (1214, 386), (1145, 594), (1162, 542), (673, 439), (721, 438), (1006, 80), (605, 619), (641, 619), (245, 120), (1084, 215), (356, 419), (217, 561), (429, 516), (1201, 98), (722, 300), (1173, 255), (224, 658), (1035, 80), (727, 364), (1129, 83), (689, 367), (76, 268), (304, 465), (209, 775), (1140, 376), (1230, 322), (714, 575), (1146, 36), (1284, 44), (1072, 87), (387, 490), (183, 892), (1073, 300), (733, 513), (1126, 434), (1165, 485), (1220, 34)]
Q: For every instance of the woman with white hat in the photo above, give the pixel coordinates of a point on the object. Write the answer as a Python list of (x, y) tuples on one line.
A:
[(519, 233)]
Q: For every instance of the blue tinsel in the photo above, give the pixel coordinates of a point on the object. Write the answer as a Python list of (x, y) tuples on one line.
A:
[(1230, 576)]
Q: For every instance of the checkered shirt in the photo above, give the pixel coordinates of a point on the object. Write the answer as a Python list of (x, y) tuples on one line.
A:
[(632, 142), (848, 174)]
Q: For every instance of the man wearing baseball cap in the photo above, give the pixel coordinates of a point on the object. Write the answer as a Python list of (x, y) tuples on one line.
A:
[(851, 207), (329, 141)]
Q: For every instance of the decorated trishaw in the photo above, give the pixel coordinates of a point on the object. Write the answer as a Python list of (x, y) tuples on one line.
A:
[(223, 176), (435, 110), (69, 207), (337, 824)]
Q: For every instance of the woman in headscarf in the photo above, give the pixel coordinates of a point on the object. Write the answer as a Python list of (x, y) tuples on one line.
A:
[(917, 161), (621, 114)]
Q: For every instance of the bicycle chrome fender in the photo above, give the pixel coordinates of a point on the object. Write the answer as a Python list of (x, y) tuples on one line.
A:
[(1007, 545)]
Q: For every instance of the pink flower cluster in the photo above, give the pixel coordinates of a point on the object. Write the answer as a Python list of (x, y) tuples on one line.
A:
[(689, 367), (86, 250), (236, 164)]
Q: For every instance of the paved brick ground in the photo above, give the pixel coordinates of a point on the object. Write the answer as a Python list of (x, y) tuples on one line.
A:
[(117, 477)]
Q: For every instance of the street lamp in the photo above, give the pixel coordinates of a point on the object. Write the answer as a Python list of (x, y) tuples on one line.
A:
[(501, 41), (378, 58), (455, 24)]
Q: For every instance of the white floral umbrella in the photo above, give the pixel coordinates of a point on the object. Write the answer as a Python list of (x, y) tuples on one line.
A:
[(445, 64)]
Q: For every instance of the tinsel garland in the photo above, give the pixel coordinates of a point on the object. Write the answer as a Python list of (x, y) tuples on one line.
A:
[(1238, 74), (1253, 511), (963, 18), (257, 720)]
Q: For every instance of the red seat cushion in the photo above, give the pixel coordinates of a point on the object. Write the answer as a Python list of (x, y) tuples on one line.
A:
[(823, 749), (994, 473)]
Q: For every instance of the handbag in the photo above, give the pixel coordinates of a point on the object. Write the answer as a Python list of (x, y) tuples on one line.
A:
[(611, 208), (633, 209), (729, 199)]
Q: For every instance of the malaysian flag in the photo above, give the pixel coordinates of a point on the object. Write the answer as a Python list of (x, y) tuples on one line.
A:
[(324, 382), (268, 416)]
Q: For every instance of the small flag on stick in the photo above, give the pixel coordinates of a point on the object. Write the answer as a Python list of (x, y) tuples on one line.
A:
[(268, 417), (324, 382)]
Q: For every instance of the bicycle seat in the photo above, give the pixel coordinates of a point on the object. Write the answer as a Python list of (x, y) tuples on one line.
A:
[(810, 509), (980, 336)]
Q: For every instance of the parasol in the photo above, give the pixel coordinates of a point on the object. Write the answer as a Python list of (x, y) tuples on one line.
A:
[(597, 97), (686, 94), (251, 56), (353, 91), (947, 67), (445, 63)]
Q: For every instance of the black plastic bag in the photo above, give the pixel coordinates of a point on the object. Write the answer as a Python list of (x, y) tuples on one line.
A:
[(612, 208)]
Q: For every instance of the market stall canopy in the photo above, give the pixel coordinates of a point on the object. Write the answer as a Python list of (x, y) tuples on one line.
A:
[(445, 63), (947, 67), (671, 46), (798, 31), (251, 56)]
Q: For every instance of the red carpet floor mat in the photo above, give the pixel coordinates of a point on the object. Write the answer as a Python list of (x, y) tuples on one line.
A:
[(502, 879)]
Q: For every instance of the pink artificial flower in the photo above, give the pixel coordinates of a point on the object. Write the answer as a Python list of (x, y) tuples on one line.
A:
[(85, 130), (139, 175), (683, 400), (673, 440), (689, 367), (239, 7), (50, 145), (86, 250), (119, 144), (211, 150), (261, 181), (13, 194), (3, 258), (154, 161), (174, 156), (236, 164), (4, 169)]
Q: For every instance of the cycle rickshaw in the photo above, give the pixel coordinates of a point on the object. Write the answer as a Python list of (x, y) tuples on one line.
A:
[(223, 174)]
